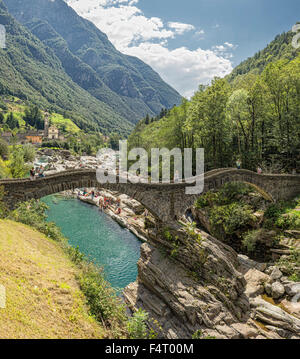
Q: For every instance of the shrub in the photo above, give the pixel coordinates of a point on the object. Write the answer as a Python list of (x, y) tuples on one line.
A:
[(4, 150), (33, 214), (136, 326), (199, 335), (17, 165), (29, 153), (104, 305), (250, 240), (228, 219)]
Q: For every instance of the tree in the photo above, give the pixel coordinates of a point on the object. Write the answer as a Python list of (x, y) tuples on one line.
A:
[(114, 141), (33, 117), (12, 122), (3, 150), (29, 153), (17, 165)]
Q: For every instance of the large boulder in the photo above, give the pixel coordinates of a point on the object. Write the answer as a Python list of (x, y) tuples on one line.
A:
[(276, 274), (255, 282), (277, 290)]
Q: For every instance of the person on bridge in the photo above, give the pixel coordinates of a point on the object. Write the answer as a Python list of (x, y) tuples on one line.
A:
[(32, 174), (238, 164), (41, 172), (259, 170)]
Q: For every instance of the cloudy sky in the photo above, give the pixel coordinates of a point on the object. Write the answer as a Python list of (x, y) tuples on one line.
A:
[(188, 42)]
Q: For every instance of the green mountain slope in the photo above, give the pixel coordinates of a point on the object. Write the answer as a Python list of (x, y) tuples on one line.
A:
[(125, 83), (280, 48), (30, 70)]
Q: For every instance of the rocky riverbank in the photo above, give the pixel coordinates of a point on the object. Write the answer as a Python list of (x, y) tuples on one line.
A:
[(132, 214), (192, 283)]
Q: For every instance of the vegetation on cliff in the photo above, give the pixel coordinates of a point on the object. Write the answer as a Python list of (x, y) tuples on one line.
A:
[(242, 218)]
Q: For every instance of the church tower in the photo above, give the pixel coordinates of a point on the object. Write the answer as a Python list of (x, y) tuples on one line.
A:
[(46, 124)]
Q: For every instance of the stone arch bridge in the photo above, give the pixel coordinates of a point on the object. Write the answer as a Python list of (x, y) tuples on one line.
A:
[(165, 201)]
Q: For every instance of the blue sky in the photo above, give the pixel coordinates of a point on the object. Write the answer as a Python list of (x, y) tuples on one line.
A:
[(189, 42)]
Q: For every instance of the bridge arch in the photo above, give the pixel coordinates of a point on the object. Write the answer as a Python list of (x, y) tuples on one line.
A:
[(164, 201)]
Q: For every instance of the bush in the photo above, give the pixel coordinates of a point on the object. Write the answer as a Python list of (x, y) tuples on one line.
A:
[(33, 214), (104, 305), (136, 325), (228, 219), (282, 215), (250, 240), (199, 335), (4, 150), (17, 166), (29, 153), (229, 193)]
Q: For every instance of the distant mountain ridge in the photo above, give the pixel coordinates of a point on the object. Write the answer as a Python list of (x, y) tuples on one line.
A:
[(126, 84), (31, 71)]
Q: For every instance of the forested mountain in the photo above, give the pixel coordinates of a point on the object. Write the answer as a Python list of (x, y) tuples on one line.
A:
[(252, 115), (280, 48), (31, 71), (129, 86)]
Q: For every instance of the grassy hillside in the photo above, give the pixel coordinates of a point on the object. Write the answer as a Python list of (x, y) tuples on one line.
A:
[(43, 297), (17, 107), (64, 123)]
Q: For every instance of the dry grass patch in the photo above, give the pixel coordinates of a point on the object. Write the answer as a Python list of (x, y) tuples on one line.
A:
[(43, 296)]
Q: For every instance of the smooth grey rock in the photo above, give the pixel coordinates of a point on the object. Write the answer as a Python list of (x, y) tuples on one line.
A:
[(268, 288), (276, 274), (274, 316), (255, 282), (249, 263), (277, 290), (292, 289)]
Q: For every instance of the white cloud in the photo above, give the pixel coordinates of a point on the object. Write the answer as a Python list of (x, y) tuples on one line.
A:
[(147, 38), (224, 50), (180, 28), (182, 68)]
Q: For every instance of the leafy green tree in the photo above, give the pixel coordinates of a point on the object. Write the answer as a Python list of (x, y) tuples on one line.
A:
[(33, 117), (11, 121), (114, 141), (17, 164), (29, 153), (3, 149)]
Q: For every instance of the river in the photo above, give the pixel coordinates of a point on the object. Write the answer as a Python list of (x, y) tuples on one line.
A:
[(99, 237)]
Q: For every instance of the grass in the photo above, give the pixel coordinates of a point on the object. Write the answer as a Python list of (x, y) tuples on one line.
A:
[(61, 122), (43, 296)]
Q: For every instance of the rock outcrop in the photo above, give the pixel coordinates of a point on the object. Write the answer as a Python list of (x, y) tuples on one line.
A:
[(189, 281)]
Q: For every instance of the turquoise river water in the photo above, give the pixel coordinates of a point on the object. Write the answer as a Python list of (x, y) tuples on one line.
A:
[(99, 237)]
